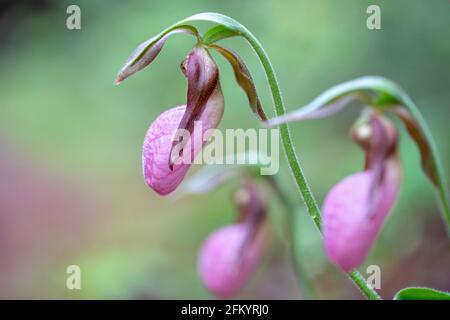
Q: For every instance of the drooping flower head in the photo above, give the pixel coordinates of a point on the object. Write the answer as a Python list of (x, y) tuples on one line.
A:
[(178, 134), (356, 208), (204, 105), (230, 255), (222, 264)]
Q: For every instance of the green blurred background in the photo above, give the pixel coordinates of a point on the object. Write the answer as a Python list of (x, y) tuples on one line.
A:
[(71, 188)]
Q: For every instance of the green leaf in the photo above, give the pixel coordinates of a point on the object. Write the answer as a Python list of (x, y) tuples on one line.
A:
[(218, 18), (226, 27), (217, 33), (417, 293), (375, 91), (365, 87)]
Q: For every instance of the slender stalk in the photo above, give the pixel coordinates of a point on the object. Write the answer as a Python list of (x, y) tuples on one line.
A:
[(296, 169), (304, 283), (233, 28), (359, 280)]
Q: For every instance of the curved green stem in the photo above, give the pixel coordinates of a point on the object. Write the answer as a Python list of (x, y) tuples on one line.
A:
[(230, 27), (388, 95), (361, 283), (304, 280), (299, 177)]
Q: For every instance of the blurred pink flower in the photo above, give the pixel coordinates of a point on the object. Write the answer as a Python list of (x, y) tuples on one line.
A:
[(227, 259), (355, 209)]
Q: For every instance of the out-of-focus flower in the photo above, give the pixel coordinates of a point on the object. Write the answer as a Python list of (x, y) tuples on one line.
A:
[(355, 208), (223, 265), (231, 254), (349, 229)]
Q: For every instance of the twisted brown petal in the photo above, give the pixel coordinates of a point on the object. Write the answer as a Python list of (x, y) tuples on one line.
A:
[(380, 145), (418, 136), (243, 78), (204, 89), (252, 208), (147, 51)]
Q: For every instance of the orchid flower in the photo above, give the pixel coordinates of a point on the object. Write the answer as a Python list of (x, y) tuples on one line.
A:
[(224, 266), (205, 98), (230, 255), (167, 152), (355, 208)]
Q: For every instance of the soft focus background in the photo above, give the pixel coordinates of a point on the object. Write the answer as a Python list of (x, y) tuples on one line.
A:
[(71, 189)]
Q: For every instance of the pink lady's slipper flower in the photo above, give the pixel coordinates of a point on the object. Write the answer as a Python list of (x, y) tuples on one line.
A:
[(205, 105), (349, 230), (231, 254), (356, 208), (178, 134), (223, 266)]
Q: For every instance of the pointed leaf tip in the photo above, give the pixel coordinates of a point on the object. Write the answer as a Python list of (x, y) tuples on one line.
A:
[(147, 51), (418, 293), (417, 134)]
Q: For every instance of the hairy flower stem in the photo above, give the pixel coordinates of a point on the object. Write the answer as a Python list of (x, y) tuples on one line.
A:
[(294, 165)]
